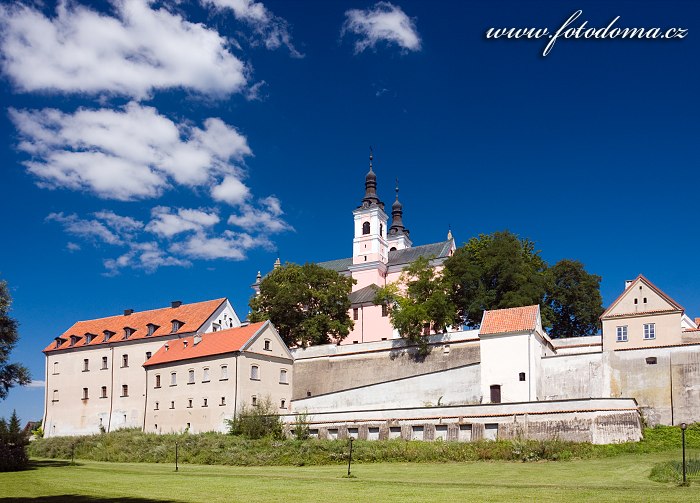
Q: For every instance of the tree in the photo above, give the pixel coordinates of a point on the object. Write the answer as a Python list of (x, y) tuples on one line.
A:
[(574, 300), (13, 443), (257, 421), (308, 304), (418, 303), (11, 374), (494, 271)]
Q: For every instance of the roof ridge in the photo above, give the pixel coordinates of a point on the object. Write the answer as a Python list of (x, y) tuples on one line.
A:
[(149, 310)]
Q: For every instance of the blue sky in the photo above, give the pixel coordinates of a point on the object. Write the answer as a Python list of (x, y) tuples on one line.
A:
[(161, 151)]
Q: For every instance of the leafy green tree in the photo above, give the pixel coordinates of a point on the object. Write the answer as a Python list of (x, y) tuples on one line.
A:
[(308, 304), (13, 443), (418, 303), (573, 299), (11, 374), (495, 271)]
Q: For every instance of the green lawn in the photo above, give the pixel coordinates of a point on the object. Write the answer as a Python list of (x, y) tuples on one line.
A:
[(621, 478)]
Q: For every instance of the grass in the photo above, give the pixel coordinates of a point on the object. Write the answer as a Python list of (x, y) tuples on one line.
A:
[(623, 478), (219, 449)]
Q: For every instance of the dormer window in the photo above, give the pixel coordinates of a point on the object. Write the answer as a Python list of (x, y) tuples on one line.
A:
[(59, 341), (176, 326), (74, 339), (128, 331), (108, 334), (151, 329), (89, 338)]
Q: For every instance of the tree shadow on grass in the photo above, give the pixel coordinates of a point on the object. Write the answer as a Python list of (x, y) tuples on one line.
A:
[(77, 498)]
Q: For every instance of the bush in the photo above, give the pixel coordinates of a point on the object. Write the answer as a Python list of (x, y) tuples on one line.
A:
[(13, 443), (301, 426), (257, 421)]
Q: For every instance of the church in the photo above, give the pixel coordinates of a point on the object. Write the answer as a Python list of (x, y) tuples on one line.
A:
[(190, 367)]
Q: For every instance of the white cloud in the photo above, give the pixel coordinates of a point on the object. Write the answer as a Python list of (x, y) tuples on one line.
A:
[(229, 245), (231, 190), (172, 237), (167, 224), (383, 22), (133, 153), (272, 30), (138, 50), (72, 247), (265, 218)]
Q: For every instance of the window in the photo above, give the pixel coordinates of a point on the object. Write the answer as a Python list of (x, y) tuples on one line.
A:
[(651, 360), (215, 327), (645, 300), (55, 367), (224, 372), (205, 403), (521, 376), (223, 400), (148, 355), (205, 374), (190, 376), (104, 363), (108, 334), (365, 228), (282, 403), (127, 332), (85, 393), (355, 313), (173, 379), (636, 301), (649, 331), (495, 393), (175, 326), (189, 403), (103, 392), (254, 401), (622, 333), (156, 406), (125, 390), (172, 405), (393, 248), (151, 329), (55, 396), (73, 339), (254, 373), (86, 365), (157, 381), (125, 361), (267, 347), (188, 426), (89, 338), (385, 311), (381, 229), (283, 376)]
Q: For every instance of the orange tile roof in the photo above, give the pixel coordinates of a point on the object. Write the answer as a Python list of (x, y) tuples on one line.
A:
[(212, 343), (514, 319), (191, 316)]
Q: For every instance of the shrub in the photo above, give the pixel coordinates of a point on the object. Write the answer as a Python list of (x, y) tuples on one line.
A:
[(257, 421), (301, 426), (13, 443)]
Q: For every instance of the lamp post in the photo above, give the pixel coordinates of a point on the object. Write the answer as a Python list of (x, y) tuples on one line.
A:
[(683, 427), (350, 456), (175, 456)]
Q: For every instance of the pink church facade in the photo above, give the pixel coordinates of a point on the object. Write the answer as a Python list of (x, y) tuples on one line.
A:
[(379, 254)]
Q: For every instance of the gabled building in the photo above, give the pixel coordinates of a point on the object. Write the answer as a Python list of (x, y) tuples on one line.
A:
[(198, 382), (94, 375)]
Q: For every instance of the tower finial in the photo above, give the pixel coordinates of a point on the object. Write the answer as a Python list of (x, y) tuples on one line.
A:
[(449, 232), (397, 188), (371, 157)]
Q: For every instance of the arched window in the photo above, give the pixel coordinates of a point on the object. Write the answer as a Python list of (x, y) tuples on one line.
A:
[(393, 248), (365, 228), (381, 229), (254, 372)]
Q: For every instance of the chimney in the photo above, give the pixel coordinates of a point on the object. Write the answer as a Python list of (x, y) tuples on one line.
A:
[(197, 339), (175, 303), (127, 312), (166, 346), (628, 282), (184, 343)]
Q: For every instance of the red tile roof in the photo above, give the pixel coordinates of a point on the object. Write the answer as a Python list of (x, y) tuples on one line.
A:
[(514, 319), (191, 317), (212, 343)]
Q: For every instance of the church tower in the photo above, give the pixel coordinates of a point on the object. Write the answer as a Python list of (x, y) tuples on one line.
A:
[(369, 245), (398, 234)]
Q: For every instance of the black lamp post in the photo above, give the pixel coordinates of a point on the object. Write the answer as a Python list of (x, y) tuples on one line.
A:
[(350, 456), (683, 427)]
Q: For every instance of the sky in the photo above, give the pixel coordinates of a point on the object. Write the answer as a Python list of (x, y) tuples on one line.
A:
[(158, 151)]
